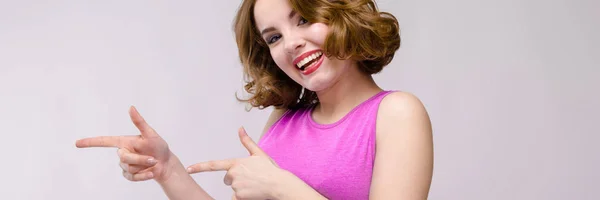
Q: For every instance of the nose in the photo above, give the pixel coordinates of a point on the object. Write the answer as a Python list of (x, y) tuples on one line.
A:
[(293, 43)]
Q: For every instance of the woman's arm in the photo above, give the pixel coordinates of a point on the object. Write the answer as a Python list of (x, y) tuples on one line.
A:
[(404, 160), (180, 185)]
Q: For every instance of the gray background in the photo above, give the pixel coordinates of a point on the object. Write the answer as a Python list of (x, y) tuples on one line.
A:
[(511, 87)]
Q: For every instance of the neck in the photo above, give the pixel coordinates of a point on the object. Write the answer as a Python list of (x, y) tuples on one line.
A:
[(351, 90)]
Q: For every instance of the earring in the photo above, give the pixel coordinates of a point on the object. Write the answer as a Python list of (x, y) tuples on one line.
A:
[(302, 93)]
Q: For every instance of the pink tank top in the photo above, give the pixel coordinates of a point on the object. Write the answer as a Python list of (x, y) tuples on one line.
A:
[(335, 159)]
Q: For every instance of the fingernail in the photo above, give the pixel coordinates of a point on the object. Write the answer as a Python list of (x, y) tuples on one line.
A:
[(152, 161), (189, 170), (151, 175)]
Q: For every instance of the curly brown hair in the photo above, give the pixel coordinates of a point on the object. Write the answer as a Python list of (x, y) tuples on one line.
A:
[(358, 31)]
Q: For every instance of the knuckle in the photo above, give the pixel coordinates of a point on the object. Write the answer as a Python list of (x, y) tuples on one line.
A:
[(126, 175), (234, 172), (236, 185), (142, 159), (235, 166), (137, 179), (124, 166), (133, 169), (212, 166), (130, 169)]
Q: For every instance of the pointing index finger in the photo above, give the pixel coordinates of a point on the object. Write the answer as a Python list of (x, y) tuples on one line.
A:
[(210, 166), (103, 141)]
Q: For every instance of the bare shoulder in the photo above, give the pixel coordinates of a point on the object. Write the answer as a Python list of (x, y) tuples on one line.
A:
[(275, 115), (402, 106), (401, 115), (404, 159)]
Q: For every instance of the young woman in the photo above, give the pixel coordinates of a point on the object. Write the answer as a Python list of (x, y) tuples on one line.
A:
[(335, 134)]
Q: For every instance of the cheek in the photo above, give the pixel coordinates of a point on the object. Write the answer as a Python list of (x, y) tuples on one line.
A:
[(319, 32), (281, 60)]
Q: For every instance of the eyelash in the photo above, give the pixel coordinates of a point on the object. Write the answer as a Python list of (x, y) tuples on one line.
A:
[(270, 38)]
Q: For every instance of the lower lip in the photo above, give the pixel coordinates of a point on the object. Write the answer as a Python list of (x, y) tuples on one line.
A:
[(314, 66)]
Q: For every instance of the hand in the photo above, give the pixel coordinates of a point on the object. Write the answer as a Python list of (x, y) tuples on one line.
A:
[(254, 177), (142, 157)]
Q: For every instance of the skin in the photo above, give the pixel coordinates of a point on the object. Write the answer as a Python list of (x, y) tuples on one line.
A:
[(403, 163)]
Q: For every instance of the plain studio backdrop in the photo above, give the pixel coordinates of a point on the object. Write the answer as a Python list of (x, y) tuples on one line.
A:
[(512, 88)]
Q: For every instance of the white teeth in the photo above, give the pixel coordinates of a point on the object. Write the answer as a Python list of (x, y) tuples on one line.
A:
[(308, 59), (305, 60)]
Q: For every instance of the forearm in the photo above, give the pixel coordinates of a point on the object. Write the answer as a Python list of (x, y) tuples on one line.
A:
[(293, 188), (179, 185)]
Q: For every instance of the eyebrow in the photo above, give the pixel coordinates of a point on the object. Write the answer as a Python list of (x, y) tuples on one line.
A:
[(269, 29)]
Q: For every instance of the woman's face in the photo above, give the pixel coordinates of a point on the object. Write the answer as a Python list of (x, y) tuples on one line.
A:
[(296, 45)]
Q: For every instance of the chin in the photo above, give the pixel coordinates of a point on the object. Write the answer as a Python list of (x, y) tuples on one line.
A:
[(316, 88), (319, 81), (323, 78)]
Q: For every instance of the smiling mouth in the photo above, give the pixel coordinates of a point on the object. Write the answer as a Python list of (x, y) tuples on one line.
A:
[(309, 60)]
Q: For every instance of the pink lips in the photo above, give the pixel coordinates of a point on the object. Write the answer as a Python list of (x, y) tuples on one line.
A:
[(313, 66), (303, 56)]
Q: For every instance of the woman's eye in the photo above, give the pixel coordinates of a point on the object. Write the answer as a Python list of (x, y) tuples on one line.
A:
[(273, 39), (302, 21)]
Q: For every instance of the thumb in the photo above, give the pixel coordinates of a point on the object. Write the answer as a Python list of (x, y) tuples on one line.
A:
[(250, 145), (141, 124)]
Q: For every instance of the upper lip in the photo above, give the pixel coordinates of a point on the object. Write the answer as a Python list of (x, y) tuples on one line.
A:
[(304, 55)]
